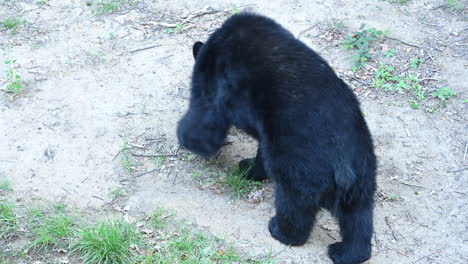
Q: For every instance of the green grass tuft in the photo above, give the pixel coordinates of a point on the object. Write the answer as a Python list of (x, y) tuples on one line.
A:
[(195, 248), (159, 217), (443, 94), (117, 193), (238, 183), (127, 161), (360, 41), (12, 23), (108, 6), (8, 223), (50, 229), (108, 242), (455, 5), (5, 185)]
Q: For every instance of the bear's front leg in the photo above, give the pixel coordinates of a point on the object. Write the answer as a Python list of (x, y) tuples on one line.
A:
[(295, 215), (255, 167)]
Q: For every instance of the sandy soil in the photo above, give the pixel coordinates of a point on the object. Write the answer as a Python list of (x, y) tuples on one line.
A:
[(90, 90)]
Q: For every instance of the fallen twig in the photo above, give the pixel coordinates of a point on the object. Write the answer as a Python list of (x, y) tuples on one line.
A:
[(208, 10), (358, 80), (11, 161), (391, 230), (97, 197), (305, 30), (466, 149), (152, 155), (326, 232), (437, 7), (145, 48), (146, 172), (425, 257), (404, 42), (118, 153), (457, 170), (412, 185), (136, 146), (154, 139)]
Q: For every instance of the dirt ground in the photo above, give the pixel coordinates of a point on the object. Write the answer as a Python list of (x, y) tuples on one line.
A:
[(95, 101)]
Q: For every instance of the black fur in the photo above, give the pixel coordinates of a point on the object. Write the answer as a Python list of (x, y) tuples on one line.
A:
[(313, 140)]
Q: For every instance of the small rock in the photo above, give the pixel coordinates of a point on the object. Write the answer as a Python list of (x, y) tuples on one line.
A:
[(147, 231), (40, 78), (256, 196), (49, 154), (64, 260)]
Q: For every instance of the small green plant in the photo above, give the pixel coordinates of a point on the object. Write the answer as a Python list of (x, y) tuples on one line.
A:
[(40, 2), (414, 104), (384, 77), (117, 193), (443, 94), (59, 207), (159, 161), (112, 35), (455, 5), (195, 248), (235, 10), (339, 25), (465, 101), (12, 24), (415, 87), (178, 27), (108, 242), (190, 157), (238, 183), (108, 6), (51, 229), (14, 83), (401, 2), (196, 175), (5, 185), (360, 40), (8, 223), (126, 160), (158, 218), (389, 53), (415, 62), (394, 197)]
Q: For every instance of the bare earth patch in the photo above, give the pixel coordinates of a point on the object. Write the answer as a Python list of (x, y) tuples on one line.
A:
[(93, 123)]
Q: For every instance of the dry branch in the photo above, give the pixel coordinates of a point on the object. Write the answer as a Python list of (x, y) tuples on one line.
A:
[(145, 48), (146, 172)]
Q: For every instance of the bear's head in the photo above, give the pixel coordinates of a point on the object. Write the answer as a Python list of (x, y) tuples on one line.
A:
[(204, 127)]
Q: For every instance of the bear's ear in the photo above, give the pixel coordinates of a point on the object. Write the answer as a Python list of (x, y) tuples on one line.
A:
[(196, 48)]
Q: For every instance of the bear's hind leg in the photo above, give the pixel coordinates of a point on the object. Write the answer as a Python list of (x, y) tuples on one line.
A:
[(356, 231), (295, 216)]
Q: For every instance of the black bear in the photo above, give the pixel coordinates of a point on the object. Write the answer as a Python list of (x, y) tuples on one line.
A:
[(314, 143)]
